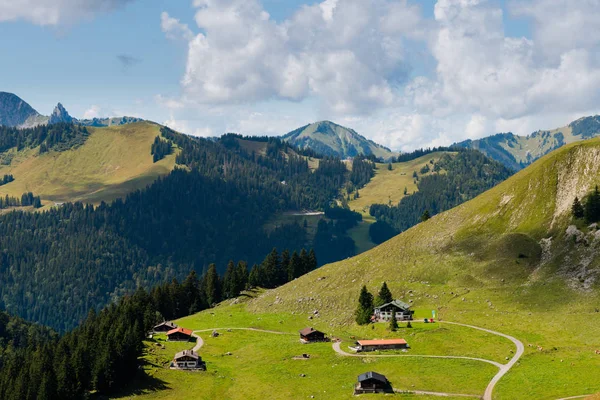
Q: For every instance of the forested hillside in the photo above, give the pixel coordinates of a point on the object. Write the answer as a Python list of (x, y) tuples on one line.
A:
[(57, 265), (448, 182)]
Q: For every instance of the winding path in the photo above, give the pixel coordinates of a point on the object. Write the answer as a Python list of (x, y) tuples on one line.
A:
[(337, 349), (503, 368)]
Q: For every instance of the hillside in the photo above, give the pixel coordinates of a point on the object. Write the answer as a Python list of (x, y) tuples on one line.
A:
[(517, 152), (112, 162), (330, 139), (14, 111)]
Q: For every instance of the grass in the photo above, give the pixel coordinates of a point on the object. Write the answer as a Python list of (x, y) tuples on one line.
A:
[(261, 364), (113, 162), (386, 187)]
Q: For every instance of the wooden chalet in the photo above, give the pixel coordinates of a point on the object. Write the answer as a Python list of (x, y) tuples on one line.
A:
[(372, 382), (179, 335), (396, 307), (310, 335), (165, 326), (381, 344), (188, 359)]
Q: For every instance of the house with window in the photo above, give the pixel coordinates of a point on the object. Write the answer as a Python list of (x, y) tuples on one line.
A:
[(179, 335), (310, 335), (372, 382), (188, 359), (396, 307)]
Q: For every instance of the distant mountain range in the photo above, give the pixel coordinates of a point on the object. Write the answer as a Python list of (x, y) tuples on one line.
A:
[(517, 152), (15, 112), (331, 139)]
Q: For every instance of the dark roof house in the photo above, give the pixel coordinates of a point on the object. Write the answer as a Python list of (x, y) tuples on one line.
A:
[(372, 382), (398, 308), (164, 326), (308, 335)]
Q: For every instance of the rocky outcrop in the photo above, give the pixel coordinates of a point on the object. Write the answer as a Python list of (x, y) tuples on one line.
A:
[(60, 115), (16, 112)]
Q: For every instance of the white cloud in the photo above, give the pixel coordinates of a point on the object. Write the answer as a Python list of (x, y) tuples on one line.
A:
[(55, 12), (347, 53), (350, 59), (92, 112), (174, 29)]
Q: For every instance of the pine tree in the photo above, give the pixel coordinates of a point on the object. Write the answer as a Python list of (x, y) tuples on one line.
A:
[(577, 209), (294, 267), (254, 280), (592, 207), (304, 262), (365, 307), (270, 266), (213, 286), (393, 323), (389, 167), (312, 260), (425, 216), (384, 296), (241, 273), (229, 281)]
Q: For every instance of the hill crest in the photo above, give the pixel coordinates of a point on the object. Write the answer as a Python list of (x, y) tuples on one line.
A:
[(331, 139)]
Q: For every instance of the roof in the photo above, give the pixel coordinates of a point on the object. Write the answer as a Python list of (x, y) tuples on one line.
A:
[(397, 303), (166, 323), (187, 353), (180, 330), (372, 375), (381, 342), (308, 331)]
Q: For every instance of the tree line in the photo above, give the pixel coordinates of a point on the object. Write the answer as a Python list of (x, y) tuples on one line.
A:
[(467, 174), (587, 209), (27, 199), (7, 179), (160, 149), (58, 137)]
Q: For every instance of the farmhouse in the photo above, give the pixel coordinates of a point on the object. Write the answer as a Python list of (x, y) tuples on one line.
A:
[(396, 307), (165, 326), (310, 335), (381, 344), (188, 359), (179, 334), (372, 382)]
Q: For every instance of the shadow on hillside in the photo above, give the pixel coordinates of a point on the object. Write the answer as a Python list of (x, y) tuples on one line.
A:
[(142, 384)]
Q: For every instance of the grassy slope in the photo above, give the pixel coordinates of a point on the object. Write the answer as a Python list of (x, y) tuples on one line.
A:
[(113, 162), (386, 187), (479, 263), (466, 263)]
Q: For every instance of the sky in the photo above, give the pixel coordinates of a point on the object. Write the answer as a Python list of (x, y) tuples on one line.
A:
[(407, 74)]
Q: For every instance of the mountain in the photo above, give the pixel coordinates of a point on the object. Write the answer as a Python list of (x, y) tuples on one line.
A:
[(59, 115), (518, 235), (14, 111), (516, 152), (330, 139)]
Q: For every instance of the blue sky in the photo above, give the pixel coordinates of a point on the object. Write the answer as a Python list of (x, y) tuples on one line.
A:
[(404, 73)]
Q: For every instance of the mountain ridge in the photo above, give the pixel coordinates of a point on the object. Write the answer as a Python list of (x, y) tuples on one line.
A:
[(331, 139), (517, 152)]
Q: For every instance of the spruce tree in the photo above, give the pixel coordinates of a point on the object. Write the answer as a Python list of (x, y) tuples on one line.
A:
[(285, 264), (312, 260), (304, 262), (393, 323), (365, 307), (425, 216), (592, 207), (384, 296), (294, 267), (577, 209), (389, 167), (213, 289), (241, 279), (254, 277), (270, 267), (229, 281)]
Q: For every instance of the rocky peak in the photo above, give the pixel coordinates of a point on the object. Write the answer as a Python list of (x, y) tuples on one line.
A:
[(59, 115)]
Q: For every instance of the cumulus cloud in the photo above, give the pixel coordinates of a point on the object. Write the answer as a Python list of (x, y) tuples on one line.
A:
[(92, 112), (55, 12), (348, 53), (174, 29)]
